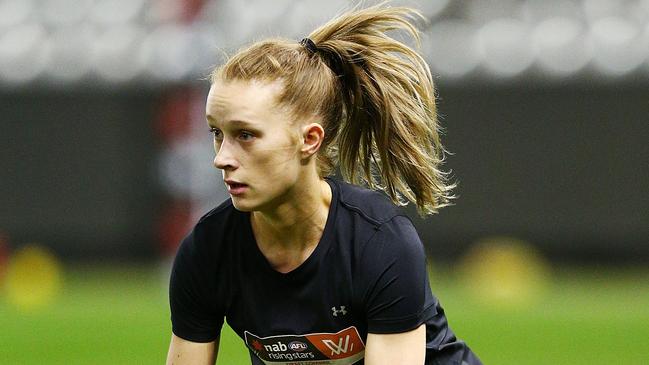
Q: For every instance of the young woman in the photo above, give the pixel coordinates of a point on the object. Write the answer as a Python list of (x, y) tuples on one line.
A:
[(307, 269)]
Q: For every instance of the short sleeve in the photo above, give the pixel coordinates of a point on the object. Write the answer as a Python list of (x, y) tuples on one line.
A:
[(194, 312), (394, 266)]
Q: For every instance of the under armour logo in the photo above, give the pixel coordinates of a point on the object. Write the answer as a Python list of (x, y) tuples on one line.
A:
[(341, 311)]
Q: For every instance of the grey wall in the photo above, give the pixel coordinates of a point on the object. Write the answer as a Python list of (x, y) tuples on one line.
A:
[(564, 166), (77, 171)]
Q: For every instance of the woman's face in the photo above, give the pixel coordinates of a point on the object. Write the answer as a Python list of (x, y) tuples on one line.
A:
[(257, 146)]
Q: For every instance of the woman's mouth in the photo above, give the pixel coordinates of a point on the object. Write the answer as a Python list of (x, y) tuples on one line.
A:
[(236, 188)]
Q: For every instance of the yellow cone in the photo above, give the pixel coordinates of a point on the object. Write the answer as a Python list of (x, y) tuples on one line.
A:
[(505, 272), (33, 278)]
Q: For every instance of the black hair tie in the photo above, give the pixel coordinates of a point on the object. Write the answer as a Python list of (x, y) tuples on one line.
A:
[(332, 60), (309, 45)]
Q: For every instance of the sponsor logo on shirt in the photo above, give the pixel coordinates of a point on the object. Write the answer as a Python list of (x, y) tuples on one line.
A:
[(341, 348), (297, 346), (336, 312)]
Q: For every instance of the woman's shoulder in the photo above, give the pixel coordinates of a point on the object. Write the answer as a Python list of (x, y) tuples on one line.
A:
[(373, 206), (380, 225), (214, 227), (222, 219), (223, 210)]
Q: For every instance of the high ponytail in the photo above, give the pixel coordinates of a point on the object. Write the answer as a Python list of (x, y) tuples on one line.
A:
[(375, 96)]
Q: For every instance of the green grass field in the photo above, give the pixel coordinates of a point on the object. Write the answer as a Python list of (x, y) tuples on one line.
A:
[(120, 316)]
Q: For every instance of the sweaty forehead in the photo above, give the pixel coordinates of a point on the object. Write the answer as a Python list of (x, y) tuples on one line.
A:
[(247, 100)]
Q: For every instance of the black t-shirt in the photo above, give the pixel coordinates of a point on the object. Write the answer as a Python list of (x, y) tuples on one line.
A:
[(367, 274)]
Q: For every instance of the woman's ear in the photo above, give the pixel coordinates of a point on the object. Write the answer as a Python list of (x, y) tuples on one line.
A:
[(312, 136)]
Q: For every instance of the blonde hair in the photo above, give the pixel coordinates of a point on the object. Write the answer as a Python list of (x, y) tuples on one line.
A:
[(374, 95)]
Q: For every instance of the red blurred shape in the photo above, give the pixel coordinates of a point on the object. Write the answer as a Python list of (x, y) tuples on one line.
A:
[(4, 254), (191, 8), (175, 114), (173, 225)]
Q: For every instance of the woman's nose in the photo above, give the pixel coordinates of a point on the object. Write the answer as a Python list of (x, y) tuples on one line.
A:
[(224, 158)]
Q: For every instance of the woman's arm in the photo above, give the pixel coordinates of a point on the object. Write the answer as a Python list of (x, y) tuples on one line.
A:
[(407, 348), (192, 353)]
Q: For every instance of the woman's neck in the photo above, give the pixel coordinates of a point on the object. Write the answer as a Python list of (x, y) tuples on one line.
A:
[(288, 233)]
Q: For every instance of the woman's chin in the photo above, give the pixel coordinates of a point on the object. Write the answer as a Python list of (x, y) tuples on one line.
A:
[(244, 205), (240, 205)]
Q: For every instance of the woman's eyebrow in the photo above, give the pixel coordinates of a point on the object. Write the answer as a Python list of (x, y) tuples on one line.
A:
[(241, 123), (233, 123)]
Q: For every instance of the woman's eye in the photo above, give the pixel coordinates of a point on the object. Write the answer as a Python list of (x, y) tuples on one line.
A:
[(216, 133), (246, 136)]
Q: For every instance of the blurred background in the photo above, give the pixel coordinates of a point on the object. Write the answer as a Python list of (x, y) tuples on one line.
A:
[(106, 163)]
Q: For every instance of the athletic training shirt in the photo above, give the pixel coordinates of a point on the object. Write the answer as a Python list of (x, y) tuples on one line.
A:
[(367, 274)]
